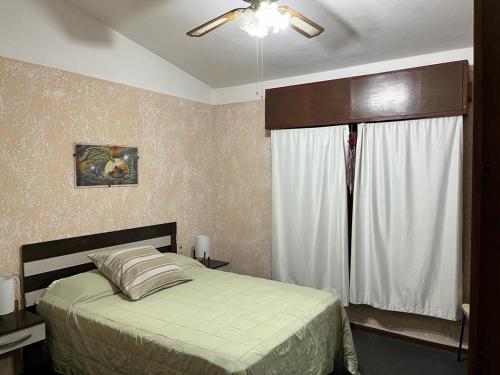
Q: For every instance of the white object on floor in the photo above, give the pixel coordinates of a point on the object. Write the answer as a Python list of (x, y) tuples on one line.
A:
[(407, 217), (309, 208), (465, 316), (466, 310)]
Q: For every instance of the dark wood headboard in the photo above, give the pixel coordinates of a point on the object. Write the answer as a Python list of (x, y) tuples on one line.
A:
[(46, 262)]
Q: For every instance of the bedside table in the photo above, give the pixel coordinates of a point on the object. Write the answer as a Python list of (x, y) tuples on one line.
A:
[(215, 264), (23, 330)]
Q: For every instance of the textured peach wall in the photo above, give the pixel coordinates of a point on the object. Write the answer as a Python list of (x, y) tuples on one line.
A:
[(43, 111), (242, 179)]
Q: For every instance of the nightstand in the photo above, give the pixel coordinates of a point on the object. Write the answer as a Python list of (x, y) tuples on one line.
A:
[(23, 330), (219, 265)]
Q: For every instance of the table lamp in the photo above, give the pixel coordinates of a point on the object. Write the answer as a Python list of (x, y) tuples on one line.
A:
[(202, 248), (7, 295)]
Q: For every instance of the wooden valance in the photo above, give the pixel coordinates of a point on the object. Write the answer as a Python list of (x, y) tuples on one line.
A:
[(427, 91)]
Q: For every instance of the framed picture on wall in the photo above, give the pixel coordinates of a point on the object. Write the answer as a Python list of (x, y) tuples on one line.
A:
[(105, 165)]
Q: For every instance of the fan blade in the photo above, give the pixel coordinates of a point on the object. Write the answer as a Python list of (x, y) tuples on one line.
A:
[(215, 23), (302, 24)]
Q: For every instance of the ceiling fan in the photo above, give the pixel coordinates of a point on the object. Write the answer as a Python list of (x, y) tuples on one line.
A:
[(260, 17)]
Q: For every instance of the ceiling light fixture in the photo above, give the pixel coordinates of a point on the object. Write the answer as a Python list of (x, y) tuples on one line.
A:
[(261, 17), (206, 28), (267, 16)]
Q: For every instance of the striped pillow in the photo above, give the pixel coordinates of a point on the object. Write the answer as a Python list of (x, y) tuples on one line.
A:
[(138, 271)]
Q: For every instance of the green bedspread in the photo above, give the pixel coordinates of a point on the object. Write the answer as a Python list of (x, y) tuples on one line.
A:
[(219, 323)]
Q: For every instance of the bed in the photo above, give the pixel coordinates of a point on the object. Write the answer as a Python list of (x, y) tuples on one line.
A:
[(219, 323)]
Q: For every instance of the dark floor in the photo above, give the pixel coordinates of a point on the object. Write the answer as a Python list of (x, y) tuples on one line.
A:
[(379, 355)]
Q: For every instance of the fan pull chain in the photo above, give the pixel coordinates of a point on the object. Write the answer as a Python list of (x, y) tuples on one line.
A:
[(257, 66), (259, 85), (262, 68)]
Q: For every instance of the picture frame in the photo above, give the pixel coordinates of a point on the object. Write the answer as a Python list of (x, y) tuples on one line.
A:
[(98, 165)]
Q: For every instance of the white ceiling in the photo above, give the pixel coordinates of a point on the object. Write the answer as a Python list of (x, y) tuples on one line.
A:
[(357, 32)]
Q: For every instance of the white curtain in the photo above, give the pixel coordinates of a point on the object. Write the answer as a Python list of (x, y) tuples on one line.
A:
[(407, 213), (309, 208)]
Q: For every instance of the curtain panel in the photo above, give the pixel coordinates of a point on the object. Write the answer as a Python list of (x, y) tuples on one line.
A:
[(309, 208), (407, 217)]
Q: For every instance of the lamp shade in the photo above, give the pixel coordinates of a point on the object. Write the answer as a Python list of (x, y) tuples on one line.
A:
[(202, 246), (7, 295)]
